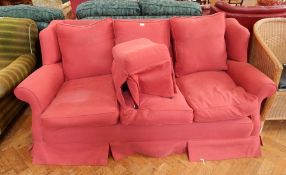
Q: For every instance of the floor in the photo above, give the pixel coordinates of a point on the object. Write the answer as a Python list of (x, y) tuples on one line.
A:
[(15, 158)]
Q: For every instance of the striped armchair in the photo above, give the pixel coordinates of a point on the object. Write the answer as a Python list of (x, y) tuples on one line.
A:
[(17, 60)]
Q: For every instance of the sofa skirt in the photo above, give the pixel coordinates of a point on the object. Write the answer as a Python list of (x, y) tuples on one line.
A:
[(92, 146), (98, 153)]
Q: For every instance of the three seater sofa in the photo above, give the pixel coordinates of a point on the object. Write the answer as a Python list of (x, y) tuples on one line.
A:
[(110, 87)]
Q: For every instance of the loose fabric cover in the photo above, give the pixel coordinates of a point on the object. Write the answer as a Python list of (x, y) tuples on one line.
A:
[(108, 8), (87, 102), (155, 30), (199, 43), (147, 69), (86, 50), (146, 66), (170, 7), (214, 96)]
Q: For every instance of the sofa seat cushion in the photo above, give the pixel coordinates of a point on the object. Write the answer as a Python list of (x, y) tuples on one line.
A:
[(156, 110), (82, 103), (214, 96)]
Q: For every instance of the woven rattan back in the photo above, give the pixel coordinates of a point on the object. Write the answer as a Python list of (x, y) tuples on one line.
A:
[(272, 31)]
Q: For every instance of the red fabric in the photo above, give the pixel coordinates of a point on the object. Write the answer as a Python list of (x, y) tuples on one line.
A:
[(86, 50), (39, 89), (50, 50), (214, 96), (258, 84), (75, 3), (79, 140), (236, 38), (155, 110), (198, 48), (228, 129), (145, 66), (87, 102), (155, 30), (224, 149)]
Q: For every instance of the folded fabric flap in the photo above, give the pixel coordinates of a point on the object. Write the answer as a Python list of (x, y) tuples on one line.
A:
[(119, 78), (145, 66), (158, 81)]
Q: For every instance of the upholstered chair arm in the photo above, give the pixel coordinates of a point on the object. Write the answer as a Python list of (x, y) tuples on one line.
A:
[(251, 79), (16, 72), (237, 39), (41, 87), (254, 82)]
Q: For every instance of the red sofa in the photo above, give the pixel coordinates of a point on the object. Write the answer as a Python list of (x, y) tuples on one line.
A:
[(210, 111), (248, 15)]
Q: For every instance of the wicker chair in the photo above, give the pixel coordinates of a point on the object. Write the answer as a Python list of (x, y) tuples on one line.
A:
[(268, 53)]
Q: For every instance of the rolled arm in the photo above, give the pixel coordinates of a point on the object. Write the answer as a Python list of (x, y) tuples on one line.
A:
[(16, 72), (251, 79), (41, 87)]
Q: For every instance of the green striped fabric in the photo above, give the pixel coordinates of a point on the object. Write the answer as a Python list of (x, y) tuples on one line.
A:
[(17, 49), (170, 7), (17, 37), (108, 8), (10, 107), (15, 72)]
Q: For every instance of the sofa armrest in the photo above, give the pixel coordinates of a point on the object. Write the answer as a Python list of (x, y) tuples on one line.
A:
[(251, 79), (237, 38), (41, 87), (16, 72)]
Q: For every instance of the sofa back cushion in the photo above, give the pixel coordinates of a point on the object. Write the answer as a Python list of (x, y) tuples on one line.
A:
[(155, 30), (199, 43), (86, 49)]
